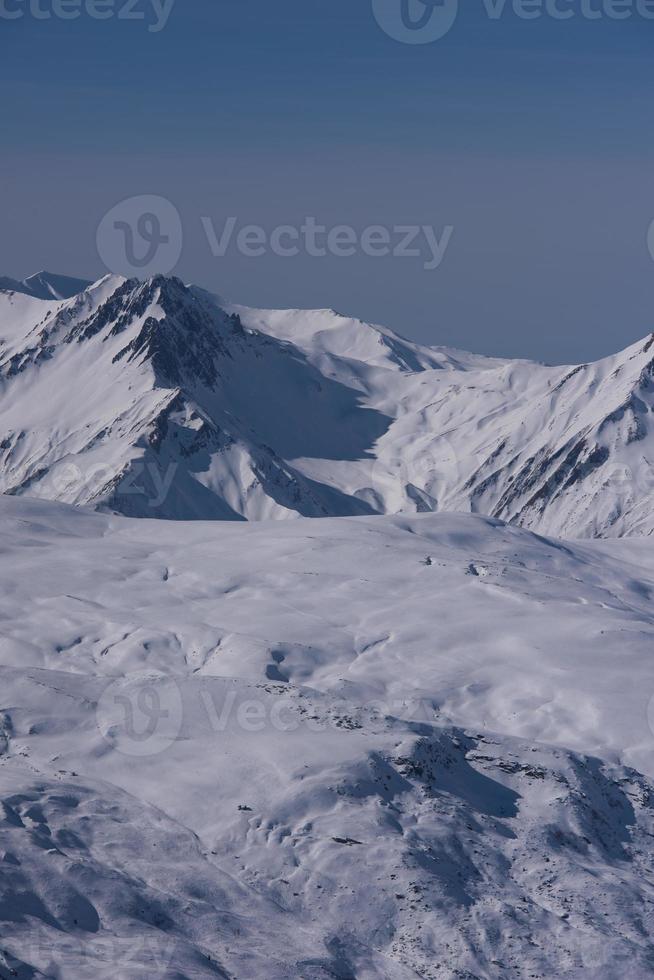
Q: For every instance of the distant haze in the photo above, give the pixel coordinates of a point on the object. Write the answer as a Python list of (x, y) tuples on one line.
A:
[(532, 139)]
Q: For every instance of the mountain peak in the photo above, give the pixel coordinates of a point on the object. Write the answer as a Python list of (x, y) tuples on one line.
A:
[(281, 412), (46, 285)]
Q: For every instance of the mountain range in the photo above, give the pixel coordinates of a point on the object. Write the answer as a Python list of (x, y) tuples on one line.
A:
[(396, 743), (158, 399)]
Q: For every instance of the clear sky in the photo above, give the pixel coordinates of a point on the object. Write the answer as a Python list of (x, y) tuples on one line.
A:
[(533, 139)]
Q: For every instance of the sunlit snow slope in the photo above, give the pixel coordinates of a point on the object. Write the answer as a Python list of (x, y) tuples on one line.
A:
[(156, 399), (366, 748)]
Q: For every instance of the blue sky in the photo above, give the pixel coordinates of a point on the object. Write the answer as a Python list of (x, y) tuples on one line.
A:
[(532, 139)]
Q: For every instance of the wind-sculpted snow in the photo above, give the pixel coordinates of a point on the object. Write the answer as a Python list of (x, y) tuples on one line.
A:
[(155, 399), (379, 747)]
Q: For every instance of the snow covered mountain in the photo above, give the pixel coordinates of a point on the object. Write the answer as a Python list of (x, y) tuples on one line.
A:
[(387, 745), (46, 285), (390, 748), (156, 399)]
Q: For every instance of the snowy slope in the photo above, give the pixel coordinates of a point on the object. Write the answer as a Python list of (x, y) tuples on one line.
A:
[(144, 399), (383, 747), (566, 450), (154, 399), (46, 285)]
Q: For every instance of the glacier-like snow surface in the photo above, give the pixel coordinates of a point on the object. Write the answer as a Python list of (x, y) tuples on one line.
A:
[(380, 747)]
